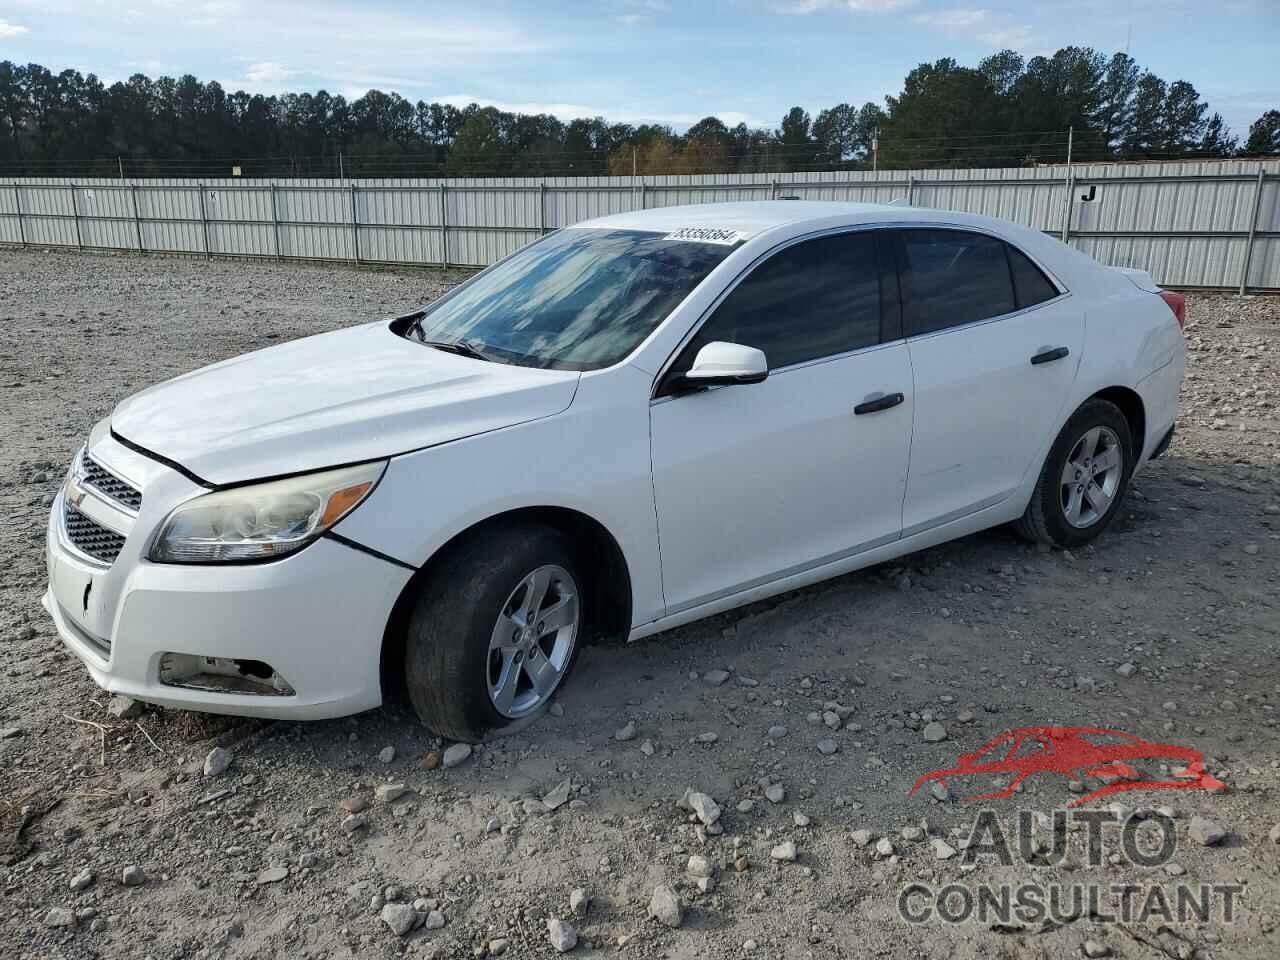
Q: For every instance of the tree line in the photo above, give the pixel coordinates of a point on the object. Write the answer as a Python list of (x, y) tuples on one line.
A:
[(1006, 111)]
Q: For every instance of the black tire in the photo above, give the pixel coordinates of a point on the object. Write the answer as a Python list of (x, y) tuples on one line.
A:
[(1045, 520), (447, 644)]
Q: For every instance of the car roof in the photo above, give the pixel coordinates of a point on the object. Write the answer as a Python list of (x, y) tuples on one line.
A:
[(747, 218)]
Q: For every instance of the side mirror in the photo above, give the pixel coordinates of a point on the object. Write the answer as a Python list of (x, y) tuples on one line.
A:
[(720, 364)]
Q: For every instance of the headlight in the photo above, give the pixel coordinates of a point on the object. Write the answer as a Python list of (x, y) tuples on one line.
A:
[(262, 521)]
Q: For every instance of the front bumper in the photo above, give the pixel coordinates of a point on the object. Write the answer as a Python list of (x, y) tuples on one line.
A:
[(316, 617)]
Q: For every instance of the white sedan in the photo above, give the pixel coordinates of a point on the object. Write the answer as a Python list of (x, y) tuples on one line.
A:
[(627, 425)]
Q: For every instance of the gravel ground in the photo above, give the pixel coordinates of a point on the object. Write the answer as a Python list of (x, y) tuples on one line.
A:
[(119, 839)]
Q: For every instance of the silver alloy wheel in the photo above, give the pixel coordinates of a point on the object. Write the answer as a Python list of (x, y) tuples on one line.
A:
[(532, 642), (1091, 478)]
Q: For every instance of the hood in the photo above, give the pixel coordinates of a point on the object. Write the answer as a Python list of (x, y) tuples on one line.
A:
[(356, 394)]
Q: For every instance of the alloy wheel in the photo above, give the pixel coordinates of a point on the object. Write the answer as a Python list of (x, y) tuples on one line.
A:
[(1091, 477), (532, 643)]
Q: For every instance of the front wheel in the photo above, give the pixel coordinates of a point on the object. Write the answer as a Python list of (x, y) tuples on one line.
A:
[(495, 633), (1084, 478)]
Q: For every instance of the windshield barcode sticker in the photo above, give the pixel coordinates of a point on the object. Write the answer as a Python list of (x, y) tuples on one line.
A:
[(706, 235)]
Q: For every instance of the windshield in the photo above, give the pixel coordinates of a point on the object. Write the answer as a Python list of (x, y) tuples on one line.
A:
[(578, 299)]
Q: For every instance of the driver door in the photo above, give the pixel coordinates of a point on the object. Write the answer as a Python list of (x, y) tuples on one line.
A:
[(757, 482)]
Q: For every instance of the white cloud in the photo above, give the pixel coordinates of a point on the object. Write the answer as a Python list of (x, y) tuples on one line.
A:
[(8, 29), (268, 76), (980, 24), (803, 7)]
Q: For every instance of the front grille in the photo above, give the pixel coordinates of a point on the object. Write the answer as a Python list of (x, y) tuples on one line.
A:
[(95, 475), (90, 537)]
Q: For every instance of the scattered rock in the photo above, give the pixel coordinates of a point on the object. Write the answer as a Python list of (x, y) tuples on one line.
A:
[(1127, 669), (59, 917), (389, 792), (1207, 833), (800, 819), (700, 866), (124, 708), (562, 935), (884, 847), (400, 917), (777, 732), (943, 850), (647, 748), (498, 945), (455, 754), (934, 732), (354, 804), (1094, 949), (434, 920), (272, 875), (715, 678), (706, 809), (558, 796), (1274, 834), (827, 747), (216, 762), (939, 791), (862, 837), (81, 880), (579, 902), (775, 793), (912, 834), (627, 732), (784, 852), (357, 821), (387, 754), (430, 760), (8, 733), (664, 906), (132, 876)]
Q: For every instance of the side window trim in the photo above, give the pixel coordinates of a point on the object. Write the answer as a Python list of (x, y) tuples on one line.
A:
[(657, 391), (897, 230)]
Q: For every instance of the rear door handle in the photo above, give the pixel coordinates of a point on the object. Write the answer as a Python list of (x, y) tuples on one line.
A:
[(878, 404), (1048, 356)]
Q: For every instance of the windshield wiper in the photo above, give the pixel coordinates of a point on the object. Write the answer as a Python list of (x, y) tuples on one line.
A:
[(460, 347)]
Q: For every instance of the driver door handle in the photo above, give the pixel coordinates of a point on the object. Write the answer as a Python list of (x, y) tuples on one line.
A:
[(1048, 356), (878, 404)]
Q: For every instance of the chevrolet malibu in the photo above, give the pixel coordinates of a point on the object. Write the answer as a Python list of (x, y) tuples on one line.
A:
[(624, 426)]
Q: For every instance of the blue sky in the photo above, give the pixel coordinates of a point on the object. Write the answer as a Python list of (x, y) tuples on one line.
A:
[(638, 60)]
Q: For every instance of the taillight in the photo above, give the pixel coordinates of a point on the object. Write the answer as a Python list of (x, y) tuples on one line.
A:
[(1178, 304)]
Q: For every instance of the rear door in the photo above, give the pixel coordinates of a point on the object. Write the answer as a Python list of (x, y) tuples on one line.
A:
[(756, 482), (995, 345)]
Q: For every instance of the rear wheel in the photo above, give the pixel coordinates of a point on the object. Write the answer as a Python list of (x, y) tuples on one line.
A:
[(1083, 480), (493, 636)]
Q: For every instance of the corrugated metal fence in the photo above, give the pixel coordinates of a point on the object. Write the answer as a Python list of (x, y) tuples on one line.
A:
[(1191, 224)]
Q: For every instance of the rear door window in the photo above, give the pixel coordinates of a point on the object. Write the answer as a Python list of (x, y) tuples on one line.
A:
[(952, 277), (1029, 282)]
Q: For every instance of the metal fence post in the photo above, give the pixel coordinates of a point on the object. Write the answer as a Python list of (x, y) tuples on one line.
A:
[(275, 220), (355, 224), (75, 212), (137, 220), (204, 221), (1070, 207), (444, 228), (17, 205), (773, 190), (911, 191), (643, 189), (542, 208), (1253, 231)]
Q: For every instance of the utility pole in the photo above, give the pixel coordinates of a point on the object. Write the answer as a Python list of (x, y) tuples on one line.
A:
[(875, 151), (120, 166)]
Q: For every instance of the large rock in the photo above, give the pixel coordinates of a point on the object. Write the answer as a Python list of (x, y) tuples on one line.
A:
[(664, 906), (562, 935), (706, 809), (455, 755), (217, 761), (1206, 832), (400, 917)]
